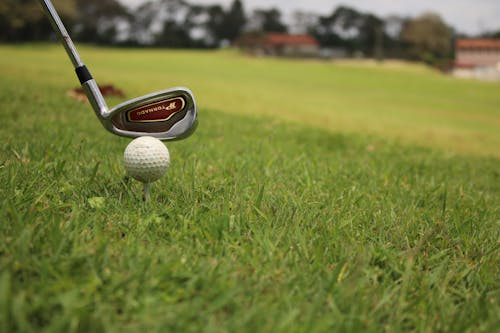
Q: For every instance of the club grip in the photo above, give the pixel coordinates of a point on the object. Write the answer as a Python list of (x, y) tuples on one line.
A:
[(83, 74)]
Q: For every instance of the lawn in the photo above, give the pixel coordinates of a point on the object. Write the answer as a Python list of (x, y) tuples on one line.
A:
[(408, 103), (314, 197)]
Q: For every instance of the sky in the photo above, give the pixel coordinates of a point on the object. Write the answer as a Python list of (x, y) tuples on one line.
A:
[(467, 16)]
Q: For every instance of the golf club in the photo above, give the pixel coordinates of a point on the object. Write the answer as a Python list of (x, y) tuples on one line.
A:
[(166, 115)]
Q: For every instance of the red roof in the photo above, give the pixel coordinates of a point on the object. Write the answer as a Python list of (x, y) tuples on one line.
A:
[(478, 43), (286, 39)]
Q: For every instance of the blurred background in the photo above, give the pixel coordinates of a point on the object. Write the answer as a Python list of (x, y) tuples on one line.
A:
[(425, 31)]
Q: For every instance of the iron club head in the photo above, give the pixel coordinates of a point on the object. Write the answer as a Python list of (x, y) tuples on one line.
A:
[(166, 115)]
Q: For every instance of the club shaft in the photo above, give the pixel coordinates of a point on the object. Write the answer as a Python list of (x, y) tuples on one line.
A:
[(62, 33), (88, 83)]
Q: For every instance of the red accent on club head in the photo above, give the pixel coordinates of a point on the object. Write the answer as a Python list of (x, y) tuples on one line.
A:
[(155, 112)]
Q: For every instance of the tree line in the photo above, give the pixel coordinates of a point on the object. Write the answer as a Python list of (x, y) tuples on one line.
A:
[(181, 24)]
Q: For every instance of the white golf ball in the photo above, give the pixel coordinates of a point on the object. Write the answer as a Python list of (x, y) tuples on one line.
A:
[(146, 159)]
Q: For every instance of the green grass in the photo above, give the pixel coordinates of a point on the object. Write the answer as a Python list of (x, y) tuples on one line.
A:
[(407, 103), (280, 221)]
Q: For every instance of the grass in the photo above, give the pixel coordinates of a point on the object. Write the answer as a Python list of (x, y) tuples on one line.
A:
[(411, 104), (274, 222)]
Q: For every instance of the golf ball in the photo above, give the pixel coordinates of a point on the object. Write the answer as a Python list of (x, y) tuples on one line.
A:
[(146, 159)]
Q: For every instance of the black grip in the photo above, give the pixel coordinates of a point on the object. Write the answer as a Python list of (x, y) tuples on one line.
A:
[(83, 74)]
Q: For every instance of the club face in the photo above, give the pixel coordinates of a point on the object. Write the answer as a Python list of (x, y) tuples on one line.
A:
[(167, 115)]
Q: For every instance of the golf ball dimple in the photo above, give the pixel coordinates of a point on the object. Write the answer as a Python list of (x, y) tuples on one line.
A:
[(146, 159)]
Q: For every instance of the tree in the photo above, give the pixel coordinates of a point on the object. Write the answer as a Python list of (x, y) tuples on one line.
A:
[(429, 37), (371, 36), (140, 24), (304, 22), (215, 24), (268, 20), (173, 35), (22, 20), (224, 25), (163, 23), (394, 46), (234, 21), (179, 19), (348, 28), (491, 34), (97, 20)]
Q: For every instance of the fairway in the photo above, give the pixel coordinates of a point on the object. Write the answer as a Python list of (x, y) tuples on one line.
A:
[(408, 103), (314, 197)]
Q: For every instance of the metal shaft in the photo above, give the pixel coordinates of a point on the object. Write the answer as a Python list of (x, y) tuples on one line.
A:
[(62, 33), (87, 81)]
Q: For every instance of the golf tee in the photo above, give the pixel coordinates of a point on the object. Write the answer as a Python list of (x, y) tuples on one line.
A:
[(147, 187)]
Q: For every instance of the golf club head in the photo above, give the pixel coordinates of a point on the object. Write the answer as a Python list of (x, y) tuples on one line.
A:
[(166, 115)]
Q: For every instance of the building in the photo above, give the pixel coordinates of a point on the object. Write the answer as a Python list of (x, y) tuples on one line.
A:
[(280, 44), (477, 58)]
